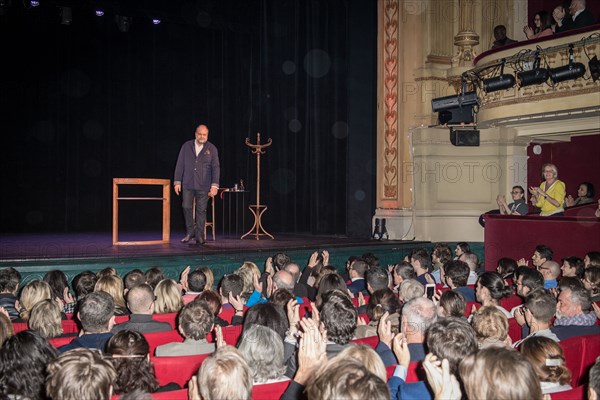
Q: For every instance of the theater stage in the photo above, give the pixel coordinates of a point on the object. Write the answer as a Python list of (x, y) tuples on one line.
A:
[(33, 255)]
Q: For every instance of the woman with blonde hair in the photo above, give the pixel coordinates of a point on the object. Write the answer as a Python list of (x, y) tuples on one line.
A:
[(210, 277), (34, 292), (366, 356), (491, 327), (247, 271), (549, 197), (46, 319), (168, 297), (548, 361), (113, 285)]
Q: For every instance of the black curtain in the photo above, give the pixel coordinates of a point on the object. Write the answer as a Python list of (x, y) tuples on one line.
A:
[(87, 102)]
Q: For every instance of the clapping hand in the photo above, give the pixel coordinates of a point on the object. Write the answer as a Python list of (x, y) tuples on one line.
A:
[(219, 341), (444, 385), (400, 346), (384, 330)]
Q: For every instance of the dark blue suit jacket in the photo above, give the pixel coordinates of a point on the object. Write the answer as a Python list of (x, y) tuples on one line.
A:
[(359, 285), (197, 173)]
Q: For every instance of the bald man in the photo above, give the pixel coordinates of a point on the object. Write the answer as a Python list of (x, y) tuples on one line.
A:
[(196, 177), (140, 301)]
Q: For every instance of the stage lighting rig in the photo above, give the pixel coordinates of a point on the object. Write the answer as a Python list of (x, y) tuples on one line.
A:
[(500, 82), (572, 70)]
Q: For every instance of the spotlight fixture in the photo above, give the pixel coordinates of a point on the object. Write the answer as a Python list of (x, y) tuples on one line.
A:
[(99, 13), (500, 82), (458, 109), (535, 76), (34, 3), (594, 66), (66, 15), (572, 70), (123, 22), (156, 21)]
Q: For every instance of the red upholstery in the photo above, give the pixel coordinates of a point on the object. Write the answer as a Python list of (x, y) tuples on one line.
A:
[(269, 391), (231, 334), (371, 341), (19, 327), (355, 300), (514, 330), (181, 394), (509, 302), (178, 369), (573, 349), (591, 350), (415, 372), (60, 341), (227, 312), (390, 370), (510, 236), (156, 339), (469, 306), (573, 394), (365, 317), (305, 307)]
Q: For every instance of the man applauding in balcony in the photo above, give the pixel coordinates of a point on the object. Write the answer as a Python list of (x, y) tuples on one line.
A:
[(579, 17)]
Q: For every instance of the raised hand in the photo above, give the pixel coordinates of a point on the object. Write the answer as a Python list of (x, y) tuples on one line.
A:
[(219, 341), (293, 314), (184, 278), (236, 302), (68, 297), (312, 261), (311, 352), (444, 385), (400, 347), (384, 330), (325, 257)]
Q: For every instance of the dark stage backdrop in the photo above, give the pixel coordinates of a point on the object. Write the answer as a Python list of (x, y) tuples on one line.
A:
[(84, 103)]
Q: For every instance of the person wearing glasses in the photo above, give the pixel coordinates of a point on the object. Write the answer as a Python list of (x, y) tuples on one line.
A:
[(517, 207), (549, 197)]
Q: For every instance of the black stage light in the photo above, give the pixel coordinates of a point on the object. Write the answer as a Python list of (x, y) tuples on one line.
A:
[(501, 82), (534, 77), (572, 70), (594, 66), (455, 101)]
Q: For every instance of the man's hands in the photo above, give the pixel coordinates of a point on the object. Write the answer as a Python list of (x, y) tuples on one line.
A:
[(442, 382), (177, 188), (213, 191), (384, 330), (311, 352)]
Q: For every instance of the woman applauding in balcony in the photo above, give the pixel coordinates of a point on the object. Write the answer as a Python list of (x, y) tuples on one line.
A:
[(543, 26), (585, 195), (549, 197)]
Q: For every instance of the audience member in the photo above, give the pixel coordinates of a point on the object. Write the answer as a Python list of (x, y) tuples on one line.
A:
[(299, 289), (210, 277), (380, 302), (579, 16), (377, 279), (572, 266), (60, 289), (10, 279), (448, 339), (517, 207), (472, 262), (269, 315), (113, 285), (213, 300), (195, 322), (153, 276), (498, 373), (330, 282), (247, 271), (528, 279), (357, 276), (46, 319), (230, 284), (461, 247), (410, 289), (23, 361), (491, 327), (490, 289), (585, 195), (34, 292), (6, 326), (573, 316), (538, 311), (546, 357), (500, 37), (451, 304), (96, 314), (421, 262), (83, 284), (80, 374), (456, 274), (108, 271), (549, 197), (225, 374), (542, 26), (194, 285), (130, 357), (168, 297), (262, 348), (346, 379), (140, 301), (591, 283), (506, 268), (366, 356), (592, 258), (402, 271), (440, 255), (550, 271), (133, 278)]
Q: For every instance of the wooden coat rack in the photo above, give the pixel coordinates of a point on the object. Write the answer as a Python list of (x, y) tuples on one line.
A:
[(258, 209)]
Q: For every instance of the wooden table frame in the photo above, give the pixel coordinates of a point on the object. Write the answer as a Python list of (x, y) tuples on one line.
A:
[(166, 201)]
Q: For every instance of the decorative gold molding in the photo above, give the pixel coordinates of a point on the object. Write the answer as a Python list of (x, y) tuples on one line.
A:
[(390, 59)]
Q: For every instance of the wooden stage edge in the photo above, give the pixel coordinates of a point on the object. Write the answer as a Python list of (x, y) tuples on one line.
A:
[(98, 245)]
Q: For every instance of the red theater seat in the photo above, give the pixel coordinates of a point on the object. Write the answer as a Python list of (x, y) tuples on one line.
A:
[(61, 341), (573, 394), (231, 334), (269, 391), (156, 339), (181, 394), (591, 351), (510, 302), (19, 327), (573, 349), (371, 341), (178, 369), (514, 330)]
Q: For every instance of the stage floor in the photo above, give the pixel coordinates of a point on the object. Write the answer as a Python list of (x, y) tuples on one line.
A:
[(53, 246)]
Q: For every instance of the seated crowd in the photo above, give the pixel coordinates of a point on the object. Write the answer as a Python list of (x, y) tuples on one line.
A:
[(366, 331)]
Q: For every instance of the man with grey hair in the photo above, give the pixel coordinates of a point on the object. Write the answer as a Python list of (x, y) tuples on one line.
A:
[(225, 374), (473, 262), (417, 316), (140, 301), (550, 270), (573, 316), (283, 280), (299, 289), (578, 16)]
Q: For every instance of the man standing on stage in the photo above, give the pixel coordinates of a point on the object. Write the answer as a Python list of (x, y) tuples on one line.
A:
[(197, 176)]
